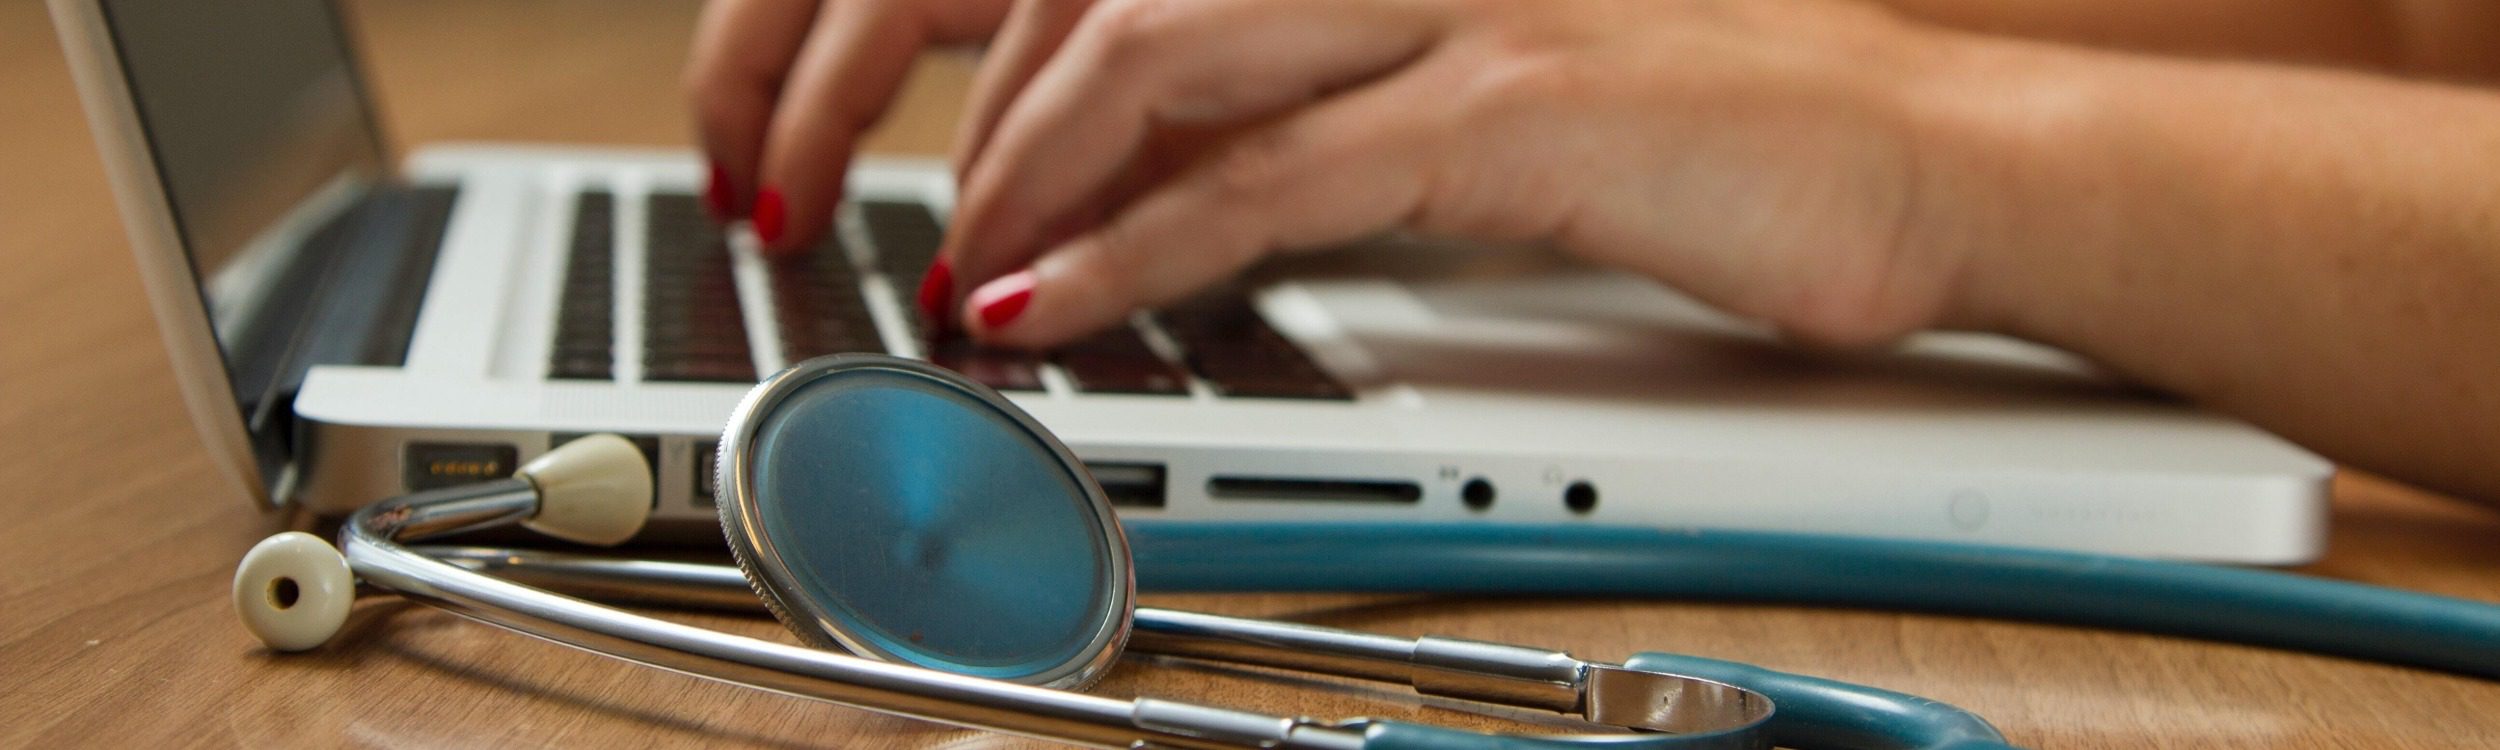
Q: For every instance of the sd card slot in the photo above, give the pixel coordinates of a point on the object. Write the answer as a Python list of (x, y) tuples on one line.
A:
[(1313, 490)]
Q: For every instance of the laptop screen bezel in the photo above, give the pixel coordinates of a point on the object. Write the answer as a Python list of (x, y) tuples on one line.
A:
[(172, 282)]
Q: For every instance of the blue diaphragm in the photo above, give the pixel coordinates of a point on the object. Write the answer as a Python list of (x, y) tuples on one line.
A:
[(898, 510)]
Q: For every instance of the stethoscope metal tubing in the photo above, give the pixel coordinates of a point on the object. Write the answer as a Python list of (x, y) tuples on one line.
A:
[(451, 510), (1442, 667), (369, 542)]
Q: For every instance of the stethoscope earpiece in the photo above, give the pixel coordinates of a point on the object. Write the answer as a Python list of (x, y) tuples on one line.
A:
[(594, 490), (293, 591)]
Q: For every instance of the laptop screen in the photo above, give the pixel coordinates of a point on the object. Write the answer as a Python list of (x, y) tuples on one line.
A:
[(254, 119)]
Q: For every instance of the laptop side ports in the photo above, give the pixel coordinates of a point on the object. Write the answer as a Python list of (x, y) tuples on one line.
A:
[(1129, 485), (1314, 490)]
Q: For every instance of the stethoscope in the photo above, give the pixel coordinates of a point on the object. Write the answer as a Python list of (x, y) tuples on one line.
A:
[(897, 511)]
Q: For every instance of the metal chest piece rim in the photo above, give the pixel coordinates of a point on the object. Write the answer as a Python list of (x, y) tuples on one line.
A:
[(765, 559)]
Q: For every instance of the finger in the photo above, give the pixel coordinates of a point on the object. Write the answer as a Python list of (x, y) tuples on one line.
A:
[(742, 51), (840, 84), (1029, 37), (1131, 64), (1340, 171)]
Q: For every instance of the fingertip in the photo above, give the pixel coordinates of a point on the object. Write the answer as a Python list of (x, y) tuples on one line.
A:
[(720, 196), (997, 306), (937, 290), (770, 218), (790, 216)]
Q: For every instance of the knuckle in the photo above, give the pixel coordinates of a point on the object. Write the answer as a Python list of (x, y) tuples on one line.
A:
[(1117, 266), (714, 103), (1130, 33), (1521, 85), (726, 99), (721, 115), (1253, 165), (705, 81), (885, 16)]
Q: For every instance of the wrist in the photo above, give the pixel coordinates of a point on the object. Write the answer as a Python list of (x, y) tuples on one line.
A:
[(2000, 184)]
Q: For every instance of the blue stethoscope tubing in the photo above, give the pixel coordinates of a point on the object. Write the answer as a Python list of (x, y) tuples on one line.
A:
[(2235, 605)]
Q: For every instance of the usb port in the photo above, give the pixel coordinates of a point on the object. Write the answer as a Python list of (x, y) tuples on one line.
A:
[(1130, 485), (706, 473)]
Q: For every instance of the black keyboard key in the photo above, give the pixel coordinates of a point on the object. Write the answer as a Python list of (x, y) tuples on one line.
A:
[(1118, 361), (818, 306), (1303, 388), (1095, 373), (1118, 341), (693, 329), (741, 370), (906, 237), (1003, 369), (710, 347), (1222, 316), (1271, 380), (1228, 344), (808, 339), (585, 333), (598, 367)]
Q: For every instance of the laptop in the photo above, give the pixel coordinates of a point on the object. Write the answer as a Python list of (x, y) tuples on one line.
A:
[(346, 329)]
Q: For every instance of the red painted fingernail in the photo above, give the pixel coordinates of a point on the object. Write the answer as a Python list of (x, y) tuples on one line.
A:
[(768, 215), (716, 194), (999, 302), (936, 289)]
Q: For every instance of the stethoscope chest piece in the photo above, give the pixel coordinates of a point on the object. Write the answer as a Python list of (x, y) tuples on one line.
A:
[(890, 508)]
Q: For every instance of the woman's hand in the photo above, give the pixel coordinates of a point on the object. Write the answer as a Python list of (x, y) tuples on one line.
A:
[(782, 90), (1755, 154), (2311, 250)]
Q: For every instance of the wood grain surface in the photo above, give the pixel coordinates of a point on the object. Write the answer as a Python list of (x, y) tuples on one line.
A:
[(117, 544)]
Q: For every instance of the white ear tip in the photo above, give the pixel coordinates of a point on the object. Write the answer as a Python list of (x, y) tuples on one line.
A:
[(594, 490), (293, 591)]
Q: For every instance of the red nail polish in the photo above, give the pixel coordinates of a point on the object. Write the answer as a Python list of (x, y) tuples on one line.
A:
[(716, 195), (1002, 309), (768, 215), (936, 290)]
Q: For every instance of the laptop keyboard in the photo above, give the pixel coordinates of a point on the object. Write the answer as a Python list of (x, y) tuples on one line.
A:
[(1229, 344), (1117, 360), (817, 304), (906, 237), (585, 345), (694, 330)]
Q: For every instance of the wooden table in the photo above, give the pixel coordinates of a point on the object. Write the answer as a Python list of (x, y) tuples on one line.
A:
[(117, 543)]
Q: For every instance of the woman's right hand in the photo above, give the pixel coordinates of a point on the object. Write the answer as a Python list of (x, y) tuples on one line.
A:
[(1747, 153)]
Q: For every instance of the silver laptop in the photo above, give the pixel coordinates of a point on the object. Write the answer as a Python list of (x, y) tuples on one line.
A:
[(345, 329)]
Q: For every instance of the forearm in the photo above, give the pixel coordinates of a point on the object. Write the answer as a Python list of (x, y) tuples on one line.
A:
[(2318, 253), (2436, 38)]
